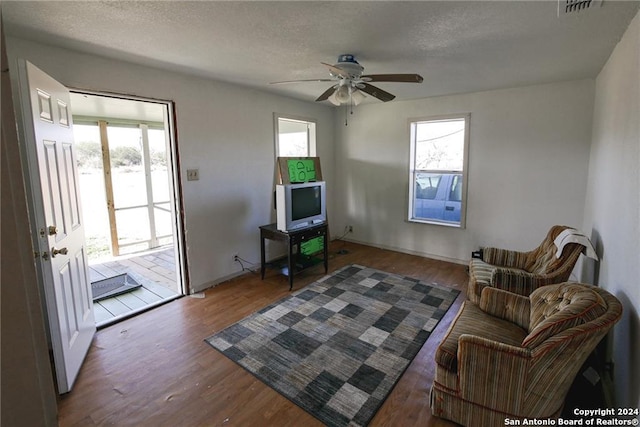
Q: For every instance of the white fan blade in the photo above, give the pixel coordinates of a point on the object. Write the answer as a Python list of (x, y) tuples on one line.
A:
[(336, 71), (300, 81)]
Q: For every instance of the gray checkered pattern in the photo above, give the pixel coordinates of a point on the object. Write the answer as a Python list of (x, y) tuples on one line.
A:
[(337, 347)]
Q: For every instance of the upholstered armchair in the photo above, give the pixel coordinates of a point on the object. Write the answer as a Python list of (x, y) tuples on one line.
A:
[(516, 357), (522, 272)]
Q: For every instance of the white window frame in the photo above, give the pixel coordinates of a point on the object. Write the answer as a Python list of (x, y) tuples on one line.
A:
[(412, 169), (311, 132)]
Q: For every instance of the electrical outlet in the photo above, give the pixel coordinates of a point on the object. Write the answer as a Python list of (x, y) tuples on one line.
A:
[(235, 257), (193, 174), (351, 229)]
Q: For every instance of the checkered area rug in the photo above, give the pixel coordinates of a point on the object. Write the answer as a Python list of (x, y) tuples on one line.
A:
[(337, 347)]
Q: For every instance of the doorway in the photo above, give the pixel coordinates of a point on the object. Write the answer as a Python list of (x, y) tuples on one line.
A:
[(127, 170)]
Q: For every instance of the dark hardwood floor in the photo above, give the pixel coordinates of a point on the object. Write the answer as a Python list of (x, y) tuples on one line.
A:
[(156, 370)]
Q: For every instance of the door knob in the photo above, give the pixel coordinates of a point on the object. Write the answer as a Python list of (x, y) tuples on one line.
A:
[(53, 230), (62, 251)]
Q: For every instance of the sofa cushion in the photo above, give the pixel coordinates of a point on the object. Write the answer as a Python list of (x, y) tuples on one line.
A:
[(471, 320), (557, 308)]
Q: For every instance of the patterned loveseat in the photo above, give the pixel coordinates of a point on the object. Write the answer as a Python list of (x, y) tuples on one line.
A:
[(516, 357), (522, 272)]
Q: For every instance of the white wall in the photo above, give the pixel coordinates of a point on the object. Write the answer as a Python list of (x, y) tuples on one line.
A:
[(224, 130), (612, 207), (528, 158)]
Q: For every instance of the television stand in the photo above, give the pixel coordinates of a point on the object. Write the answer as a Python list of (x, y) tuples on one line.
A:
[(296, 261)]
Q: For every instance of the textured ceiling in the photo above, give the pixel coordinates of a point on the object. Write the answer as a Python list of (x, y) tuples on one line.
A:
[(456, 46)]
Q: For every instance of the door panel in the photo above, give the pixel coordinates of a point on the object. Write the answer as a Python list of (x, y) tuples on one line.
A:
[(57, 213), (71, 184), (70, 323), (51, 183), (86, 298)]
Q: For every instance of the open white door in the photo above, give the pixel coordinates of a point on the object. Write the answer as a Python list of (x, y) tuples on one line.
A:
[(57, 216)]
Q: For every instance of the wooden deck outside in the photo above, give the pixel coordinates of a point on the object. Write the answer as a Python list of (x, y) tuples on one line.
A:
[(154, 270)]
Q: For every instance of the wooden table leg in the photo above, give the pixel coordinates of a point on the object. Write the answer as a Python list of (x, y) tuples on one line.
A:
[(290, 265), (262, 257), (326, 254)]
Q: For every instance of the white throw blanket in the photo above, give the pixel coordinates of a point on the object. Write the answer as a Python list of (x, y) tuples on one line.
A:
[(571, 235)]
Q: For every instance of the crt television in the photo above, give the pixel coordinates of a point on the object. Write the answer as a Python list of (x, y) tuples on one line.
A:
[(300, 205)]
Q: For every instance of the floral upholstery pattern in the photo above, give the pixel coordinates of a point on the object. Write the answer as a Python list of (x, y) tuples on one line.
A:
[(512, 356), (522, 272)]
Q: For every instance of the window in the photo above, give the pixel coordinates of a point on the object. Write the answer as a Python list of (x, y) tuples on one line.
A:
[(438, 168), (295, 137)]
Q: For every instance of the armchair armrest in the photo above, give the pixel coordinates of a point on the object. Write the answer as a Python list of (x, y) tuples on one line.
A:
[(506, 305), (505, 257), (484, 365), (519, 281)]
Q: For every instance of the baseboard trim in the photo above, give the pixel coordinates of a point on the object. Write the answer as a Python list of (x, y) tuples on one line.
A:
[(408, 251), (214, 283)]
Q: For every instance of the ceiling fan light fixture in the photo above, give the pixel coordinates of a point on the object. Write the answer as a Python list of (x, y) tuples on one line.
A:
[(332, 99), (343, 94), (357, 97), (350, 84)]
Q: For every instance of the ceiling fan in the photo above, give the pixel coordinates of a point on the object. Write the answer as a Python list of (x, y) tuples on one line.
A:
[(350, 83)]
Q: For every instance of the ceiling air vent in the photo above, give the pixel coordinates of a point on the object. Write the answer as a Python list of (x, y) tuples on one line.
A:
[(574, 6)]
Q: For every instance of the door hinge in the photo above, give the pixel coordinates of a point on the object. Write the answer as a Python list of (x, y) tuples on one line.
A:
[(51, 230)]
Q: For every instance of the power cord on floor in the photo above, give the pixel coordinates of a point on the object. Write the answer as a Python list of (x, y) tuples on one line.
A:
[(342, 250), (242, 261)]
